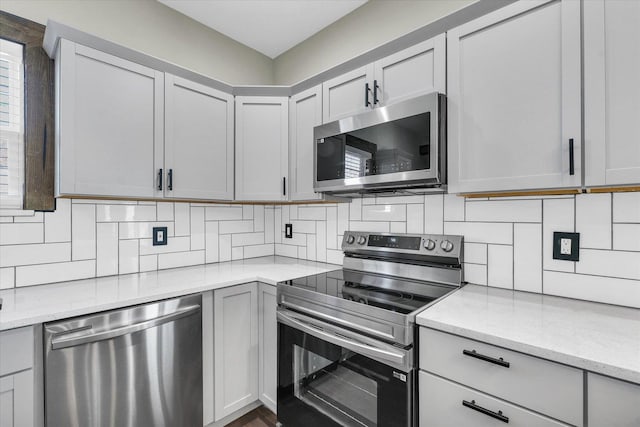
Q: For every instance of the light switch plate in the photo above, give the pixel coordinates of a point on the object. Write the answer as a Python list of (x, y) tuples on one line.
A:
[(566, 246), (288, 231), (159, 236)]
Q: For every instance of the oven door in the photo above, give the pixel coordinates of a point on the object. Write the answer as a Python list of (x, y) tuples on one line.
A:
[(328, 376)]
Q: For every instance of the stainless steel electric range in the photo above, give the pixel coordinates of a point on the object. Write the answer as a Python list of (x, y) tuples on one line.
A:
[(347, 338)]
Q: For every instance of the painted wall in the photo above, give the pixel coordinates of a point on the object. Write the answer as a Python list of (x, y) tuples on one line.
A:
[(150, 27), (369, 26)]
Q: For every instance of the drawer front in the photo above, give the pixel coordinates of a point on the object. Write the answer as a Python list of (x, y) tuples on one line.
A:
[(441, 405), (527, 380), (612, 402), (16, 350)]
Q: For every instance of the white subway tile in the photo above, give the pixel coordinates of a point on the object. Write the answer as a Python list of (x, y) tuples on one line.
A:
[(626, 207), (293, 212), (219, 213), (83, 232), (287, 250), (143, 230), (245, 239), (434, 214), (228, 227), (237, 253), (165, 211), (7, 277), (377, 226), (481, 232), (128, 257), (211, 241), (148, 263), (321, 241), (5, 219), (384, 213), (225, 247), (334, 257), (180, 259), (343, 218), (368, 200), (316, 213), (397, 227), (11, 255), (453, 207), (147, 202), (277, 224), (558, 216), (504, 211), (500, 266), (197, 228), (247, 211), (302, 252), (395, 200), (258, 218), (621, 264), (415, 219), (123, 213), (475, 273), (57, 224), (593, 288), (182, 226), (50, 273), (355, 210), (174, 244), (332, 227), (307, 227), (527, 257), (35, 217), (269, 225), (107, 248), (258, 251), (312, 249), (626, 237), (475, 253), (16, 234), (285, 214), (593, 220), (296, 239)]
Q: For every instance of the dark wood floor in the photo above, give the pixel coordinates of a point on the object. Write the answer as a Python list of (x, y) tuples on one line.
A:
[(259, 417)]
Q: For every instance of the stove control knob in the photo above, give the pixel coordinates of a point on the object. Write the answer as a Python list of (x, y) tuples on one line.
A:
[(362, 240), (350, 239), (446, 246), (429, 245)]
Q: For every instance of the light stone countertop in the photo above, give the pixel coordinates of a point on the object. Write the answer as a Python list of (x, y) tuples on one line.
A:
[(44, 303), (600, 338)]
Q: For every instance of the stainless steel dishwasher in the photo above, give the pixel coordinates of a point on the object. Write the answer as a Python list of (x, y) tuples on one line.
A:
[(134, 367)]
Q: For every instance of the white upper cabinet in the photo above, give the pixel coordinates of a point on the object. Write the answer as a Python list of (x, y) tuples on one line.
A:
[(514, 95), (305, 112), (262, 148), (612, 92), (198, 141), (110, 124), (411, 72)]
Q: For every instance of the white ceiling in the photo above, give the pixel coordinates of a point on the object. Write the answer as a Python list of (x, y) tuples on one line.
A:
[(268, 26)]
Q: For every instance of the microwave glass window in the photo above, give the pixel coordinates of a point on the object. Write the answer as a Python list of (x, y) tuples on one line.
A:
[(397, 146)]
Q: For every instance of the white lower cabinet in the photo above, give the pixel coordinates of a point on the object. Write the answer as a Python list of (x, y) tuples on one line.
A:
[(268, 344), (235, 322), (17, 388), (612, 402)]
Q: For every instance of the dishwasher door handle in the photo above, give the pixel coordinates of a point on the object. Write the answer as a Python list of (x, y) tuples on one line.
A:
[(59, 343)]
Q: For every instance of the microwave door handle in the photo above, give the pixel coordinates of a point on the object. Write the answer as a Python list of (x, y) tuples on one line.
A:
[(364, 349)]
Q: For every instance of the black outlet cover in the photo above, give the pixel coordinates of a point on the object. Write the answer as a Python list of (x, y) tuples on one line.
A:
[(159, 236), (575, 246), (288, 231)]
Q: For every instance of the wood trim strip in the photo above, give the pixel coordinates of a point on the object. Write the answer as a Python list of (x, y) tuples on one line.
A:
[(613, 189), (209, 202), (523, 193)]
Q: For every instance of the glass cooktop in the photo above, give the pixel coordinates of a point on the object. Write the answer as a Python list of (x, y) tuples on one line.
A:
[(386, 292)]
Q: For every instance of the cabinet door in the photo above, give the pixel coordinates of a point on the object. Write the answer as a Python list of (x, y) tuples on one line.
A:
[(198, 141), (16, 400), (612, 92), (514, 99), (268, 333), (235, 314), (411, 72), (346, 95), (612, 403), (261, 148), (305, 112), (110, 131)]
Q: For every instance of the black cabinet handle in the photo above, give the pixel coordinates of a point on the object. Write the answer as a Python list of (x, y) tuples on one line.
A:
[(284, 185), (572, 170), (375, 92), (160, 179), (497, 415), (366, 95), (475, 354), (170, 180)]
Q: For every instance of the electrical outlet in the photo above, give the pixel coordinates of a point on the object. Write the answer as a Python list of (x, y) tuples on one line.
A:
[(566, 246), (288, 231), (159, 236)]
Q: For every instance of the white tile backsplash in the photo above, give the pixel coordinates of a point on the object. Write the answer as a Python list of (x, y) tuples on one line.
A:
[(507, 240)]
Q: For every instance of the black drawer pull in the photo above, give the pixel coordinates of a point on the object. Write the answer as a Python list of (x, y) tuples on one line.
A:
[(473, 353), (366, 95), (497, 415), (170, 179), (572, 170), (160, 180)]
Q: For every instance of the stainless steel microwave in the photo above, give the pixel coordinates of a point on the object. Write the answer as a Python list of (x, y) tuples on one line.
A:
[(397, 148)]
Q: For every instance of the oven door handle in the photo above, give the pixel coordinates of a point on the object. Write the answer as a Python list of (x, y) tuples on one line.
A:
[(383, 355)]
